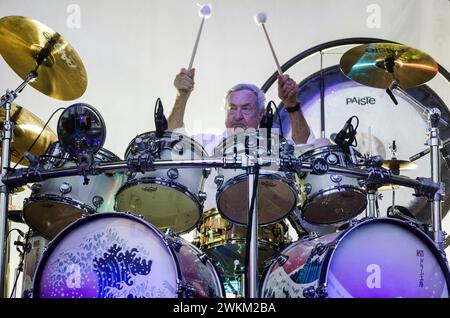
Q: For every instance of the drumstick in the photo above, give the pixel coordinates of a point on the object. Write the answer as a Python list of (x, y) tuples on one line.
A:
[(261, 19), (205, 13)]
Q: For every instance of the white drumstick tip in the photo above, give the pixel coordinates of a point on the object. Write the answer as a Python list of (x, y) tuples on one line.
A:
[(205, 11), (261, 18)]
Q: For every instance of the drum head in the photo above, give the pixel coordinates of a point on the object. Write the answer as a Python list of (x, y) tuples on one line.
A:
[(107, 255), (335, 205), (378, 258), (162, 205), (386, 259), (276, 198), (49, 217)]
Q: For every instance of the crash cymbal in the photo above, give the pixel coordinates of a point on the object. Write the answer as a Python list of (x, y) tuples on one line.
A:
[(400, 165), (377, 64), (61, 74), (26, 129)]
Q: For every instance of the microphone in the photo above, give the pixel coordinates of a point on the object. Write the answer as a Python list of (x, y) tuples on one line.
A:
[(339, 138), (267, 123), (160, 119)]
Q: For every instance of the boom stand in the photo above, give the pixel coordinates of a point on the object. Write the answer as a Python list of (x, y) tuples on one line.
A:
[(6, 102), (436, 204), (252, 289)]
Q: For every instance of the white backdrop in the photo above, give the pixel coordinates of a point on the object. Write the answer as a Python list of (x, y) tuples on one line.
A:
[(133, 49)]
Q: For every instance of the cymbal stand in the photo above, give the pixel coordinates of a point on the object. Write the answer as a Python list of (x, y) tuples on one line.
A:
[(434, 143), (7, 135), (251, 290)]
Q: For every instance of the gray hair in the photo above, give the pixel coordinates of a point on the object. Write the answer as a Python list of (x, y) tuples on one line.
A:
[(260, 98)]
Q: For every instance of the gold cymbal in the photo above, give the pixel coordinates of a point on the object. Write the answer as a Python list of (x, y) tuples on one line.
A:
[(377, 64), (61, 75), (389, 186), (27, 127), (400, 165)]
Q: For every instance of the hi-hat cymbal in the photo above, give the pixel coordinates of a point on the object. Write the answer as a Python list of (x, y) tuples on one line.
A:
[(377, 64), (399, 165), (27, 127), (61, 74)]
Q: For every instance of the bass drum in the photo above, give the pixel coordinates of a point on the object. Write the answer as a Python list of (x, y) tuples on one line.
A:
[(118, 255), (378, 258), (380, 119)]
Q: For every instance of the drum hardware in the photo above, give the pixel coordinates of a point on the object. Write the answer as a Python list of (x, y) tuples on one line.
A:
[(23, 248)]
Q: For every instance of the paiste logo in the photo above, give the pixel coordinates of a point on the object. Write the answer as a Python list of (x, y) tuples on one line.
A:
[(374, 278)]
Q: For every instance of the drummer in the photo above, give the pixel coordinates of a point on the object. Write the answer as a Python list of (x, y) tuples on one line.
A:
[(245, 107)]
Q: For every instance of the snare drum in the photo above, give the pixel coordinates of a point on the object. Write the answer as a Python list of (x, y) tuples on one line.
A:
[(225, 242), (168, 198), (377, 258), (118, 255), (330, 198), (57, 202), (277, 191)]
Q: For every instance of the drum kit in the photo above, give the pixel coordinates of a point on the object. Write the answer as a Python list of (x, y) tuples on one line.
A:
[(112, 227)]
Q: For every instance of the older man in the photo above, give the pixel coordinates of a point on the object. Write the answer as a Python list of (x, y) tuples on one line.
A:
[(245, 105)]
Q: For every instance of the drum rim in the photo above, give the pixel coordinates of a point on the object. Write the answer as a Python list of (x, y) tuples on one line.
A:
[(67, 230), (192, 141), (322, 277), (164, 182), (320, 150), (332, 190), (201, 253), (241, 178), (249, 132), (67, 201)]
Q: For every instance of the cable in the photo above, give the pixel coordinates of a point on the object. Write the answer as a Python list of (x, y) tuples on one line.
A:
[(43, 128)]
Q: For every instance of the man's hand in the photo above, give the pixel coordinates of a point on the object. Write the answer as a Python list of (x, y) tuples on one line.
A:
[(287, 90), (184, 82)]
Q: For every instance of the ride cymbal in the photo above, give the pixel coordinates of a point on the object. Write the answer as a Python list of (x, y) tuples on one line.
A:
[(27, 127), (26, 44), (378, 64)]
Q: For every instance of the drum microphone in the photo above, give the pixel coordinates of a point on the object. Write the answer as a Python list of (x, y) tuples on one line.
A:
[(339, 138), (160, 119), (267, 123)]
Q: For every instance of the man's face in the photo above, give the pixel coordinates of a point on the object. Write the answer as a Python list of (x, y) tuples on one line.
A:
[(242, 111)]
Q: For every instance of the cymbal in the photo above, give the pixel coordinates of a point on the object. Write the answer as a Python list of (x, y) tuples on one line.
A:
[(26, 129), (400, 165), (61, 75), (377, 64), (389, 186)]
